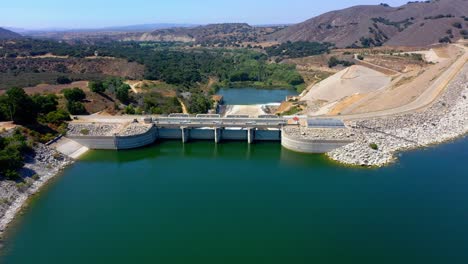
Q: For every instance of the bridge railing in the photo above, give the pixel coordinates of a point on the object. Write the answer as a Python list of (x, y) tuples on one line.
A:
[(221, 121)]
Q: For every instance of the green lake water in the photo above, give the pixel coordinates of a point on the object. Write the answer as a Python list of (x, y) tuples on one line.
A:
[(251, 96), (235, 203)]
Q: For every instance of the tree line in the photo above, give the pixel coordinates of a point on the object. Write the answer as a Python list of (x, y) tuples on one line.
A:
[(174, 63)]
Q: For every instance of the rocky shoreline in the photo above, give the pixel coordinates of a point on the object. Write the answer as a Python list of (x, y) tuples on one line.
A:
[(304, 133), (444, 120), (38, 170)]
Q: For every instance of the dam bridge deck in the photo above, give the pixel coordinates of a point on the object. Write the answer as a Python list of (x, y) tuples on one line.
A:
[(197, 122)]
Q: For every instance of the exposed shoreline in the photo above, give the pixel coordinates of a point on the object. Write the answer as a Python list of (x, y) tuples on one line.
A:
[(46, 165), (445, 120)]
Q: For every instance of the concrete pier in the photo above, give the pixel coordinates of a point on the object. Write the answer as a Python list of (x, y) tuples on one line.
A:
[(217, 135), (185, 134), (250, 135)]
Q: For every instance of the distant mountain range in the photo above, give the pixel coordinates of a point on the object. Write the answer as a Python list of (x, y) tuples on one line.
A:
[(122, 29), (413, 24)]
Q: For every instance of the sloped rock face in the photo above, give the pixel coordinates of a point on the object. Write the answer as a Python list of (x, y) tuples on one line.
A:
[(444, 120)]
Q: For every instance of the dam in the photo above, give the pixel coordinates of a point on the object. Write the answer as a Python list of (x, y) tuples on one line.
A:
[(135, 132)]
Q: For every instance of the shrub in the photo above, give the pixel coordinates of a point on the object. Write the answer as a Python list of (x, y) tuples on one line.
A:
[(334, 62), (122, 93), (130, 110), (84, 132), (445, 40), (457, 25), (4, 201), (360, 57), (58, 117), (63, 80), (74, 95), (97, 87), (23, 186), (76, 108), (373, 146)]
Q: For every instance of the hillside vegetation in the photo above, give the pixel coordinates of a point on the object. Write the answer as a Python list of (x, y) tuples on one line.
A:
[(414, 24), (7, 34), (181, 66)]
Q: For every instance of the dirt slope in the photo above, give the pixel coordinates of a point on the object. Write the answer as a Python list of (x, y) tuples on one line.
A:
[(353, 80)]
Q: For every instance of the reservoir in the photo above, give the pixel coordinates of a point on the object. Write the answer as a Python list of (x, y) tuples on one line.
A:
[(251, 96), (240, 203)]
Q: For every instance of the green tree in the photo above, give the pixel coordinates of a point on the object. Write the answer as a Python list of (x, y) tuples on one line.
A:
[(19, 106), (76, 108), (58, 117), (12, 150), (295, 79), (96, 86), (74, 95), (45, 103), (122, 93), (200, 104)]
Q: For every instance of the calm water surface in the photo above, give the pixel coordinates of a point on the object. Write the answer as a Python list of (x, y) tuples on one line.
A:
[(234, 203), (250, 96)]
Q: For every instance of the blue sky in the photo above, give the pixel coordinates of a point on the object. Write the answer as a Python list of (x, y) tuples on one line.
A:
[(100, 13)]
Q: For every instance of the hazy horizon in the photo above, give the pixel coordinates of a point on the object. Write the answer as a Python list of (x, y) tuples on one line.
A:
[(52, 14)]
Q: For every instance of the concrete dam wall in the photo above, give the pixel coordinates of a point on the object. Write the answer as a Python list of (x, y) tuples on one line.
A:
[(312, 146), (217, 134), (185, 134), (117, 142)]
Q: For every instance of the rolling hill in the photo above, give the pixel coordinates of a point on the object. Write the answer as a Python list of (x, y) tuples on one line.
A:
[(7, 34), (224, 34), (413, 24)]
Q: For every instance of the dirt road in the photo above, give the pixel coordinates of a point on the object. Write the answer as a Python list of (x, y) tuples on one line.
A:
[(426, 98)]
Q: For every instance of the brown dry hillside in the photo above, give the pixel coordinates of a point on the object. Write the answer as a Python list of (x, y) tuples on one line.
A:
[(413, 24), (214, 34), (30, 71), (227, 33), (7, 34)]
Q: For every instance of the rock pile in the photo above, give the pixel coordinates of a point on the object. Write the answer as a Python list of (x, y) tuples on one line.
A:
[(135, 129), (320, 133), (91, 129)]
